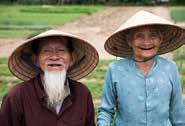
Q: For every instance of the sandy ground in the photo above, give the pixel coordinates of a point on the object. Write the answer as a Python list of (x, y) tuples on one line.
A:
[(95, 28)]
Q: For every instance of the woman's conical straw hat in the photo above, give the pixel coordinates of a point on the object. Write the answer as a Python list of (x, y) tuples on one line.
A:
[(173, 36)]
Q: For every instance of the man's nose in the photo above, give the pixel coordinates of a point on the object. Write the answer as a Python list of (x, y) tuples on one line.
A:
[(54, 56)]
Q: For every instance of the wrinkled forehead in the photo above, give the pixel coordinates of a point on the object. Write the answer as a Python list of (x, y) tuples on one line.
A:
[(152, 29), (53, 42)]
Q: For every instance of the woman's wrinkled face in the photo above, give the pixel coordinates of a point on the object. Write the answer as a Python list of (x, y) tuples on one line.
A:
[(53, 55), (145, 43)]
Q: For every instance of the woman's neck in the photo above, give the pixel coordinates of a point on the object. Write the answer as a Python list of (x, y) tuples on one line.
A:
[(144, 67)]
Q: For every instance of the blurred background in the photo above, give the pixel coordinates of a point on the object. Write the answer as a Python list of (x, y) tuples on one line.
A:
[(93, 20)]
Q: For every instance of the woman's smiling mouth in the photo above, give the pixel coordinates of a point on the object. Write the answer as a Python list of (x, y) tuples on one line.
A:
[(150, 48)]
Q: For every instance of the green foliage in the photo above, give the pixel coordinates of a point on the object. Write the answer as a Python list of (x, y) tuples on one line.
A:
[(13, 33), (179, 58), (3, 90), (61, 2), (177, 14), (21, 21), (61, 9), (3, 67), (177, 2), (6, 78), (94, 81)]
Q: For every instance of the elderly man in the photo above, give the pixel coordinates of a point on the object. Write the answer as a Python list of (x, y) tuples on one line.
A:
[(49, 65)]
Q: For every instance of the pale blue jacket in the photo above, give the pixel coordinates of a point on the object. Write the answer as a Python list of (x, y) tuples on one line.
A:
[(137, 100)]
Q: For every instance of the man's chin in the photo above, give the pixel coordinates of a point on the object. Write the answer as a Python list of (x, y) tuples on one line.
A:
[(54, 85), (55, 69)]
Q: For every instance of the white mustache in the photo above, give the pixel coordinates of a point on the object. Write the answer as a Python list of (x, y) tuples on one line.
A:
[(55, 64)]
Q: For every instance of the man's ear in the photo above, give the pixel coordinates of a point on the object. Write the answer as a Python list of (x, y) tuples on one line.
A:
[(34, 59), (73, 59)]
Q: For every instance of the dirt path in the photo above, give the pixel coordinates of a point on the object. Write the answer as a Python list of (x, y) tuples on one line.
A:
[(97, 27), (94, 28)]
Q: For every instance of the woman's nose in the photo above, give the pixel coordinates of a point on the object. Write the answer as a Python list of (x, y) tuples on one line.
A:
[(147, 40)]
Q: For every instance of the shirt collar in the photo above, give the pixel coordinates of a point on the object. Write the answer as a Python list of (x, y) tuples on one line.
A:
[(137, 71)]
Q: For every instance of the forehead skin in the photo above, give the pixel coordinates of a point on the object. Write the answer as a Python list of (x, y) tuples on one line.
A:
[(145, 28), (153, 29), (52, 41)]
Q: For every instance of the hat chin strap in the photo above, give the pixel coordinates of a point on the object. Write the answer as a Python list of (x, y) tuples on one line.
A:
[(144, 60)]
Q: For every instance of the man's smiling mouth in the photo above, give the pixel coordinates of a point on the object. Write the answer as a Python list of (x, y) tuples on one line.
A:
[(54, 65)]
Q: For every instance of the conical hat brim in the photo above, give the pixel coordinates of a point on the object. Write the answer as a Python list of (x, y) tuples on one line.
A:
[(82, 49), (173, 35)]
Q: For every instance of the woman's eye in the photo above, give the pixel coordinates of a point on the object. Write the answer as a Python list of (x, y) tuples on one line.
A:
[(154, 35), (139, 36)]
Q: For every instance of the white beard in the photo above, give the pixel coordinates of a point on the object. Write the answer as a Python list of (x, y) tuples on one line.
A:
[(54, 83)]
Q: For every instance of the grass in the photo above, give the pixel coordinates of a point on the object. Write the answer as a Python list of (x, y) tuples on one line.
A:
[(6, 78), (179, 58), (94, 81), (177, 14), (20, 21), (13, 33), (64, 9)]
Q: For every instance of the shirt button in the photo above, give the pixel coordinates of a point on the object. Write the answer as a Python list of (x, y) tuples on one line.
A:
[(141, 98), (148, 105)]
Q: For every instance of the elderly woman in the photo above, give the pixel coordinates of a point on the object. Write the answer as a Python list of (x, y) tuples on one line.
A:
[(143, 89), (49, 65)]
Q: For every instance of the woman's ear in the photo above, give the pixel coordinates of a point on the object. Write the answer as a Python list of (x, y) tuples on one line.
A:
[(130, 43)]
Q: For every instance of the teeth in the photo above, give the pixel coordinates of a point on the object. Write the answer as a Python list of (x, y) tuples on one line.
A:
[(54, 65), (147, 48)]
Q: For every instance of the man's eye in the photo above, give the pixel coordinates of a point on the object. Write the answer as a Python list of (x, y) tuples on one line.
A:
[(154, 36), (46, 50), (61, 50)]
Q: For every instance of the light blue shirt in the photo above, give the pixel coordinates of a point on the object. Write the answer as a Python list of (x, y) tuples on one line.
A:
[(138, 100)]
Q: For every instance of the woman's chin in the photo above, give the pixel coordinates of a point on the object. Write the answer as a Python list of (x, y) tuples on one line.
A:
[(148, 55)]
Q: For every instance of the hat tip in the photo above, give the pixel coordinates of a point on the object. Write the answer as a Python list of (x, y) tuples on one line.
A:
[(144, 12)]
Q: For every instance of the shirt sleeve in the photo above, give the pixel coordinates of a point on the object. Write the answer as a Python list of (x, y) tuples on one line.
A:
[(11, 111), (108, 101), (90, 121), (177, 108)]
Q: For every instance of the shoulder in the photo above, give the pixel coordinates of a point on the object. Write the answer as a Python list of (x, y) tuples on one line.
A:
[(166, 63), (121, 63)]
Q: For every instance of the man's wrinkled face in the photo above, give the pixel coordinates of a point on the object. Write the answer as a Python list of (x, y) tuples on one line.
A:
[(54, 55), (54, 59), (145, 42)]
